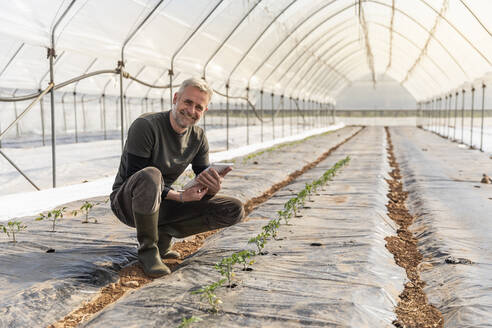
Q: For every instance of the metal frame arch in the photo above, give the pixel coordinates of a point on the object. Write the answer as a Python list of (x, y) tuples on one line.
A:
[(171, 70), (12, 59), (425, 29), (227, 38), (309, 16), (386, 5), (305, 53), (343, 59), (475, 16), (403, 36), (458, 31), (303, 38), (320, 62), (379, 3), (353, 63), (259, 37)]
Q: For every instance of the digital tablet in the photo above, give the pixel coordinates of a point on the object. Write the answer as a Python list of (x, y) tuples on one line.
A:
[(219, 167)]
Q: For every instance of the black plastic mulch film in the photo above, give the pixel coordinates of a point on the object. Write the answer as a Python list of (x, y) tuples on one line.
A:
[(39, 288)]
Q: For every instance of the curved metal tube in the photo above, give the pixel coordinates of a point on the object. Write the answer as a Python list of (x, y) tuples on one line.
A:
[(227, 38), (139, 26), (11, 59), (192, 34), (258, 39), (306, 52), (309, 16)]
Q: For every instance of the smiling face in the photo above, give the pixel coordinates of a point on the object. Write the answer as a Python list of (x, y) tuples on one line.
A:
[(188, 108)]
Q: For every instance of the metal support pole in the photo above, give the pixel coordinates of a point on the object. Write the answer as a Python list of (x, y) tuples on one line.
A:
[(105, 131), (439, 102), (75, 116), (471, 119), (205, 121), (262, 116), (121, 65), (333, 112), (273, 118), (483, 112), (282, 113), (51, 54), (162, 104), (17, 127), (247, 117), (84, 120), (462, 115), (43, 132), (305, 114), (170, 72), (455, 114), (64, 113), (448, 107), (290, 114), (227, 116)]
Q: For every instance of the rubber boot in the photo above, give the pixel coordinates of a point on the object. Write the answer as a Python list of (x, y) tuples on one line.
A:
[(164, 245), (148, 253)]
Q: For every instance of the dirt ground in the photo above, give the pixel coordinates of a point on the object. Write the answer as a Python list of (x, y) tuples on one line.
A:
[(413, 309)]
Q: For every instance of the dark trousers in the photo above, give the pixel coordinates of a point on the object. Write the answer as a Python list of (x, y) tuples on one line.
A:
[(141, 193)]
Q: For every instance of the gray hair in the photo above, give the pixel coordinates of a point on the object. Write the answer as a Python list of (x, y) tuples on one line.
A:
[(200, 84)]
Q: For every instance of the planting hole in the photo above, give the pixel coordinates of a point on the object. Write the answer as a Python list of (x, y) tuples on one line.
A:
[(316, 244), (248, 269), (51, 250), (234, 285)]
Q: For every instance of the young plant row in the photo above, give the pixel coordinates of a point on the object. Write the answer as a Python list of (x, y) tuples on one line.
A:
[(14, 226), (245, 258), (276, 147)]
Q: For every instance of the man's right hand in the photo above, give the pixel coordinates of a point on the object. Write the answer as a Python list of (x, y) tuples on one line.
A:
[(194, 194)]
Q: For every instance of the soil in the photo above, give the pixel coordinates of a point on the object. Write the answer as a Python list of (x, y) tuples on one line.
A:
[(413, 309), (132, 276)]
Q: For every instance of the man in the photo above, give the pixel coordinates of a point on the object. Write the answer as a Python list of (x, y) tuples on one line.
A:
[(158, 149)]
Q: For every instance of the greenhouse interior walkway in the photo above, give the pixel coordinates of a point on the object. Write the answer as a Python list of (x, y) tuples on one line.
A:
[(327, 267)]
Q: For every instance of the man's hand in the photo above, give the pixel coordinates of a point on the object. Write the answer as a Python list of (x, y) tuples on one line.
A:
[(212, 180), (193, 194)]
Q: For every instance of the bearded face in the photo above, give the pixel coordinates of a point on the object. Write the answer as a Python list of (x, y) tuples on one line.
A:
[(188, 107)]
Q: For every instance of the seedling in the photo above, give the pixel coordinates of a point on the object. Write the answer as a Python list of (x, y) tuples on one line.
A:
[(259, 241), (208, 293), (286, 214), (85, 209), (272, 227), (53, 215), (242, 258), (10, 228), (225, 268), (187, 322)]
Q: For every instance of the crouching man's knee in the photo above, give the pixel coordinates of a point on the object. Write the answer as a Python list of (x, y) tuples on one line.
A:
[(228, 212)]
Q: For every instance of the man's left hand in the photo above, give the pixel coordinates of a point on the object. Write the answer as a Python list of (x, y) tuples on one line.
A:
[(212, 180)]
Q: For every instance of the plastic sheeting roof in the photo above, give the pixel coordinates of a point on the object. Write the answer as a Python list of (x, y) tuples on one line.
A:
[(299, 48)]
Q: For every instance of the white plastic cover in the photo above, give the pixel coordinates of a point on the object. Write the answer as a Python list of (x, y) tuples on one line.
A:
[(300, 48)]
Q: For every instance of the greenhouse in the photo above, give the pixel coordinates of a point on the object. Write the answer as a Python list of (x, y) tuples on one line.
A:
[(340, 153)]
